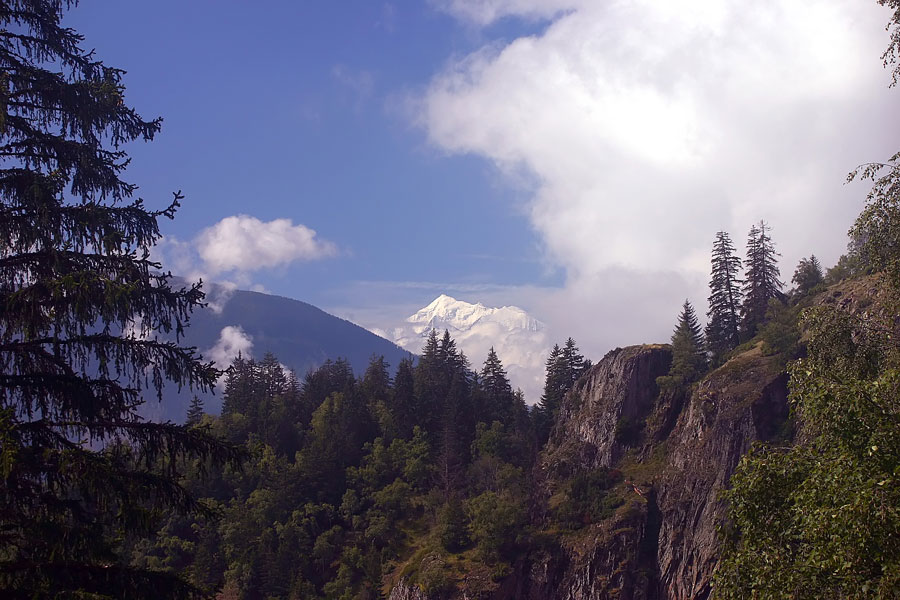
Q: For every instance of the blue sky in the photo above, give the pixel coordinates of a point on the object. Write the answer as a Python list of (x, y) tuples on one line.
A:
[(300, 111), (573, 157)]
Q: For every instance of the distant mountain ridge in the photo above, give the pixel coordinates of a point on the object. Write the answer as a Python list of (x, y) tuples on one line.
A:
[(519, 339), (301, 335)]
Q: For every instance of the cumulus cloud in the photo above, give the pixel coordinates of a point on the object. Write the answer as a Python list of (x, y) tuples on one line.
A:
[(233, 340), (244, 243), (648, 126), (237, 246)]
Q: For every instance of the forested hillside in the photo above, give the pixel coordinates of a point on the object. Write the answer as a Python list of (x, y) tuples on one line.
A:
[(351, 479)]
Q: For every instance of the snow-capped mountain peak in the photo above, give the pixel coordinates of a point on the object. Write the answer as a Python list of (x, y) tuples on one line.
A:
[(446, 312), (519, 339)]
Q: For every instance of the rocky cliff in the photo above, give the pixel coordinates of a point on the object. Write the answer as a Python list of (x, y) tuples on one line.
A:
[(668, 453)]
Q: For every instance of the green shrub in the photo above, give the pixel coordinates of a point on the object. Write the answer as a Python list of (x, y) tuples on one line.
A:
[(628, 431), (587, 498), (452, 527)]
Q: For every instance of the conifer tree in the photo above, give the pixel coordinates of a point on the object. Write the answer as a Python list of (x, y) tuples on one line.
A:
[(575, 364), (239, 386), (688, 354), (497, 395), (404, 404), (762, 283), (376, 382), (545, 410), (564, 366), (333, 376), (808, 274), (270, 377), (723, 327), (195, 411), (431, 385), (83, 305)]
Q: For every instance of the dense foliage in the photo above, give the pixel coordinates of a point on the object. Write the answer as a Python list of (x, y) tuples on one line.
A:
[(350, 476), (82, 307), (808, 275)]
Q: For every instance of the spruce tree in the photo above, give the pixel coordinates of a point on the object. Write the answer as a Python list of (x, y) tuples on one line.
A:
[(376, 381), (84, 312), (762, 283), (564, 366), (497, 395), (545, 411), (723, 327), (431, 386), (688, 354), (404, 405), (808, 274), (195, 411), (575, 364), (239, 386)]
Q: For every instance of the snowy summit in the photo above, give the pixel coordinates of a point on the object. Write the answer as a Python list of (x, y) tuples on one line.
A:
[(519, 339), (446, 312)]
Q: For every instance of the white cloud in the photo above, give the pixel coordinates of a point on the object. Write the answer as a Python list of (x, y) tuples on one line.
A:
[(235, 247), (648, 126), (244, 243), (232, 341), (218, 295), (485, 12)]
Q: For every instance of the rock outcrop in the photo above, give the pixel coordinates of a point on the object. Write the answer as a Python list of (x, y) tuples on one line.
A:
[(618, 391), (407, 591), (674, 451), (736, 405)]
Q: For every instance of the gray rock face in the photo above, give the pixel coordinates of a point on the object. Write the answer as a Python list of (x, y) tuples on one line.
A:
[(738, 404), (663, 543), (619, 389), (406, 591)]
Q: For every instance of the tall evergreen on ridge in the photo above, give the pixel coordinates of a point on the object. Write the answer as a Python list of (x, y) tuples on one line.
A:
[(496, 393), (761, 283), (553, 391), (564, 366), (80, 344), (723, 327), (575, 364), (375, 388), (430, 385), (688, 352)]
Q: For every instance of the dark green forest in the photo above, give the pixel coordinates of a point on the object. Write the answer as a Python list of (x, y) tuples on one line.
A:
[(349, 476)]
